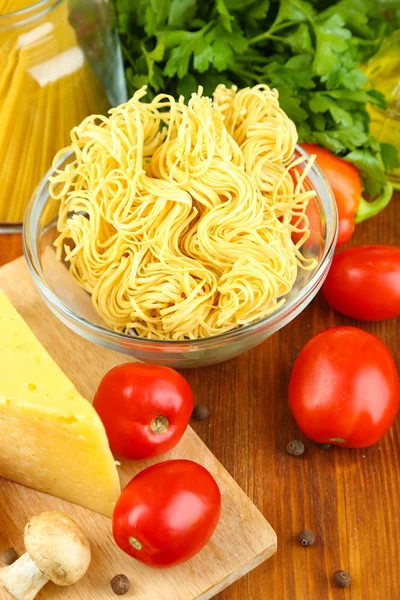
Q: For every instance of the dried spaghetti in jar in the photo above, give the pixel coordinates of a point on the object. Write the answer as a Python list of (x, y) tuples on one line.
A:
[(47, 86)]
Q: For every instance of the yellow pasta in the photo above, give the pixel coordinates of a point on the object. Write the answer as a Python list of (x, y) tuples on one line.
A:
[(46, 87), (178, 218)]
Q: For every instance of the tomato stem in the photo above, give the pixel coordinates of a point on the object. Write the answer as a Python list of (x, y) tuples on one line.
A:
[(135, 543), (159, 424), (338, 440), (366, 209)]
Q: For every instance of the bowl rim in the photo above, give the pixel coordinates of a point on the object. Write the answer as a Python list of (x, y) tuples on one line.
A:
[(31, 220)]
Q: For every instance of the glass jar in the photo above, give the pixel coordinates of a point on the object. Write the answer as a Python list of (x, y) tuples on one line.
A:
[(59, 62), (383, 72)]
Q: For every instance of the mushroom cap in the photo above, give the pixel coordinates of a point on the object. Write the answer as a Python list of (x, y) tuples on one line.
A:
[(58, 547)]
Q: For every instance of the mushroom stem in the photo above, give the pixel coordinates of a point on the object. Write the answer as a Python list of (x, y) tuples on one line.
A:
[(23, 580)]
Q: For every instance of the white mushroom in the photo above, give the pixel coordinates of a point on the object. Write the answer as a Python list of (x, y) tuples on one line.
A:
[(57, 550)]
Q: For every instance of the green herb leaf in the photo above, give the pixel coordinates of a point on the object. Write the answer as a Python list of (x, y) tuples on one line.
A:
[(300, 41), (292, 105), (225, 16), (138, 81), (170, 39), (222, 55), (321, 104), (187, 85), (339, 140), (161, 8), (258, 9), (181, 11), (390, 157), (294, 11), (332, 39), (371, 167), (203, 56)]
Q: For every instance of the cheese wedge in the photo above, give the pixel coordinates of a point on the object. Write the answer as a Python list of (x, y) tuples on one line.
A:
[(51, 439)]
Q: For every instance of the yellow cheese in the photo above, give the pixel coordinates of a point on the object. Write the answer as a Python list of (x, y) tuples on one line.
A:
[(51, 439)]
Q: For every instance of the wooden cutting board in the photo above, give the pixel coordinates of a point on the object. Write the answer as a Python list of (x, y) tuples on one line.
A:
[(243, 538)]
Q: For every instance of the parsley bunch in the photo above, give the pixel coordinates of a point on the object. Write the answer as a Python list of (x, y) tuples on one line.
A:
[(311, 51)]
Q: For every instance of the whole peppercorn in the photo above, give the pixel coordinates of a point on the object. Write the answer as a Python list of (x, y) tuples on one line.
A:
[(306, 538), (9, 556), (341, 579), (120, 584), (295, 448), (201, 412), (325, 446)]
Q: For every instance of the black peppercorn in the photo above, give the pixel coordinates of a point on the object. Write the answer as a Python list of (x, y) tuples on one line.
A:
[(325, 446), (120, 584), (295, 448), (341, 579), (9, 556), (201, 412), (306, 538)]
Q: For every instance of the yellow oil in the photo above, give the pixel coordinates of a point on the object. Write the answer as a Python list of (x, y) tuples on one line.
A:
[(383, 72)]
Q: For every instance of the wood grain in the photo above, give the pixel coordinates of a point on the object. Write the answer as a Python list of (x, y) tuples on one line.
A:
[(10, 247), (349, 498), (243, 538)]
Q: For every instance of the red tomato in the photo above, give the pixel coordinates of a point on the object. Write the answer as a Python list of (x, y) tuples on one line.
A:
[(167, 513), (145, 409), (344, 388), (346, 184), (364, 283)]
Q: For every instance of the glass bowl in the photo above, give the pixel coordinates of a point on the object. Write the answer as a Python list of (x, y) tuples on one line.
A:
[(73, 306)]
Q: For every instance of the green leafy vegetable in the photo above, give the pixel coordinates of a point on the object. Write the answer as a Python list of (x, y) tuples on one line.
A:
[(311, 51)]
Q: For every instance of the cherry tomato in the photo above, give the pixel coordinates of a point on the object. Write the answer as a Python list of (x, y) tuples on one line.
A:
[(145, 409), (167, 513), (344, 388), (364, 283), (346, 184)]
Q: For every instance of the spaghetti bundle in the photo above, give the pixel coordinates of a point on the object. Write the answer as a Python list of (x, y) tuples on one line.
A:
[(46, 87), (178, 218)]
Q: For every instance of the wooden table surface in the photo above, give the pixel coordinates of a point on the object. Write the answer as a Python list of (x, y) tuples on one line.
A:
[(350, 499)]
